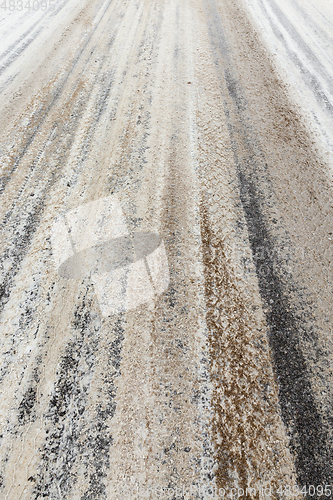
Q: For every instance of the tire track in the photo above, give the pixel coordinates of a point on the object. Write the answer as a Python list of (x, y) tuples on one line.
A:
[(309, 437)]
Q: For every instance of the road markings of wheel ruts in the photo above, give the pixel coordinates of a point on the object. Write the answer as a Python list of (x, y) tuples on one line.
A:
[(127, 269)]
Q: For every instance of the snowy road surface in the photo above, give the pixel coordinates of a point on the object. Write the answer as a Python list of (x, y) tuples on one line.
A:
[(166, 249)]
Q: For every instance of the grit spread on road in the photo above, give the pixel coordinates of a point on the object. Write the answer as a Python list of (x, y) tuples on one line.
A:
[(166, 249)]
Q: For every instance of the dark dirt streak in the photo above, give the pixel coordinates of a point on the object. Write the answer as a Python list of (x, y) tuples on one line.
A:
[(27, 404), (99, 447), (26, 409), (67, 393), (299, 412), (21, 246), (90, 445), (41, 116)]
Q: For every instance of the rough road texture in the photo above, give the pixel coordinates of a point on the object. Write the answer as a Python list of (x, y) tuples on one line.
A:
[(211, 120)]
